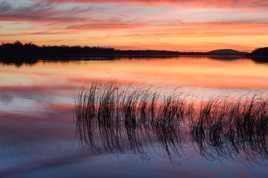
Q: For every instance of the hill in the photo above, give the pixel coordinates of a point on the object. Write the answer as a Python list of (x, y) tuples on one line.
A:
[(226, 52), (260, 55)]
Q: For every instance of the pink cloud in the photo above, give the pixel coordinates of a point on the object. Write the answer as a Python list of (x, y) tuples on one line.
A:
[(196, 3)]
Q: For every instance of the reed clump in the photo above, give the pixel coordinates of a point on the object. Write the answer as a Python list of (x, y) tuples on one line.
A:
[(118, 119), (232, 127)]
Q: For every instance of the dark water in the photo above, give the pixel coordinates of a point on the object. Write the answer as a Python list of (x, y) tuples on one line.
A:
[(38, 131)]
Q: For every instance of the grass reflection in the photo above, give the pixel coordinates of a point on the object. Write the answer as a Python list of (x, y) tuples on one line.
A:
[(118, 119)]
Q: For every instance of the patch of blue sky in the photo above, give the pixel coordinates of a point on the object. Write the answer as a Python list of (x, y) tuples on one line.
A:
[(18, 3), (113, 11)]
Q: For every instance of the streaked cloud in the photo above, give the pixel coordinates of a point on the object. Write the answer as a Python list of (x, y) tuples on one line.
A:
[(35, 12), (195, 3)]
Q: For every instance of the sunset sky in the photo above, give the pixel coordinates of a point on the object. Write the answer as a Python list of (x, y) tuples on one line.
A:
[(189, 25)]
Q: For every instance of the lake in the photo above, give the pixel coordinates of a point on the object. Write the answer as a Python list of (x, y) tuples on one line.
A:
[(39, 137)]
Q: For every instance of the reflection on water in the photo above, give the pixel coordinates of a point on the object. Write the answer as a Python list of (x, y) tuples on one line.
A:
[(114, 119), (38, 135), (180, 72)]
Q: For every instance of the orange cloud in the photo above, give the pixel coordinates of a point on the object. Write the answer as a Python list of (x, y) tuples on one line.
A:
[(104, 26)]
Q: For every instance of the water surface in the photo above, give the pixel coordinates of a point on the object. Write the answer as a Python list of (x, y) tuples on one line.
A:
[(38, 133)]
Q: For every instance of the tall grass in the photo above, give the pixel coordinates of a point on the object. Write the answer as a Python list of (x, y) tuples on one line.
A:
[(119, 119), (232, 127)]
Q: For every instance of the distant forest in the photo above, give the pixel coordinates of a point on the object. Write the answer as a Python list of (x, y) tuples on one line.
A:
[(19, 53)]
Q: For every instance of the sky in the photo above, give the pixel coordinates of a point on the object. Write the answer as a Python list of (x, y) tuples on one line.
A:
[(186, 25)]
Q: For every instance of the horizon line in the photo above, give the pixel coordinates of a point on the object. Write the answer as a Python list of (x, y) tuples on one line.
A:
[(121, 49)]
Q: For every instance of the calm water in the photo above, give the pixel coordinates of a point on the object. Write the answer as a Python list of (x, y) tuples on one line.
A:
[(38, 134)]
